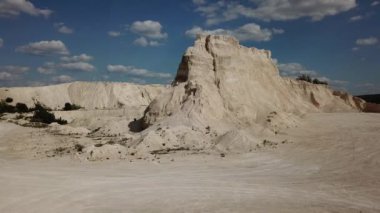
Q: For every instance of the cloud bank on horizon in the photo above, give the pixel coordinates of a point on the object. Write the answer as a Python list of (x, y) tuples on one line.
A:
[(54, 42)]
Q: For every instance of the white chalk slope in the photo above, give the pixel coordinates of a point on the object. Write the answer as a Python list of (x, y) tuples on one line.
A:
[(90, 95)]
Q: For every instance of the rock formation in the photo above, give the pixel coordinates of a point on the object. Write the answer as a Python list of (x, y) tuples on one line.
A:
[(226, 93)]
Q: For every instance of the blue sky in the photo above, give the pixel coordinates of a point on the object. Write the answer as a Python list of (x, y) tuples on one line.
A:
[(47, 42)]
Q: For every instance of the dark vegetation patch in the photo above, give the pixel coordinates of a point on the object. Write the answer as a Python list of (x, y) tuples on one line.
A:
[(79, 147), (6, 108), (269, 143), (309, 79), (22, 108), (42, 115), (371, 98), (137, 125), (9, 100), (70, 107), (60, 151)]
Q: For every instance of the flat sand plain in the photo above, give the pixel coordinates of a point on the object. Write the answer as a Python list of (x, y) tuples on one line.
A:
[(330, 164)]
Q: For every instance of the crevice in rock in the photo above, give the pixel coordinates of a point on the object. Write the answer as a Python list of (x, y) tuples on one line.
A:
[(183, 71), (207, 43), (314, 100), (216, 79)]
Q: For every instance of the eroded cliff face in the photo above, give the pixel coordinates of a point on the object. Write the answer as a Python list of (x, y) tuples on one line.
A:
[(229, 97), (219, 80)]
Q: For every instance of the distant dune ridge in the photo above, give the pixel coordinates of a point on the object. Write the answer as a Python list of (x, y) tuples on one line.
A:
[(375, 98), (225, 97), (373, 102), (90, 95)]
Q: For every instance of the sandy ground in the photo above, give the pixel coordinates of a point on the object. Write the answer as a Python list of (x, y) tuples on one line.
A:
[(331, 164)]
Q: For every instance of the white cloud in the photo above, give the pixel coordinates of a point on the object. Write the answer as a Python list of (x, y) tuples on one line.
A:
[(44, 48), (1, 42), (47, 68), (294, 9), (117, 68), (80, 66), (355, 48), (150, 32), (77, 58), (5, 76), (154, 43), (11, 72), (14, 69), (375, 3), (199, 2), (294, 70), (148, 28), (337, 82), (367, 41), (62, 28), (114, 33), (279, 10), (213, 12), (9, 8), (356, 18), (142, 41), (367, 88), (253, 32), (277, 31), (136, 71), (365, 85), (76, 62), (51, 67), (247, 32), (62, 79)]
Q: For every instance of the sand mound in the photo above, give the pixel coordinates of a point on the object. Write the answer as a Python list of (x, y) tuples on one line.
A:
[(223, 86)]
